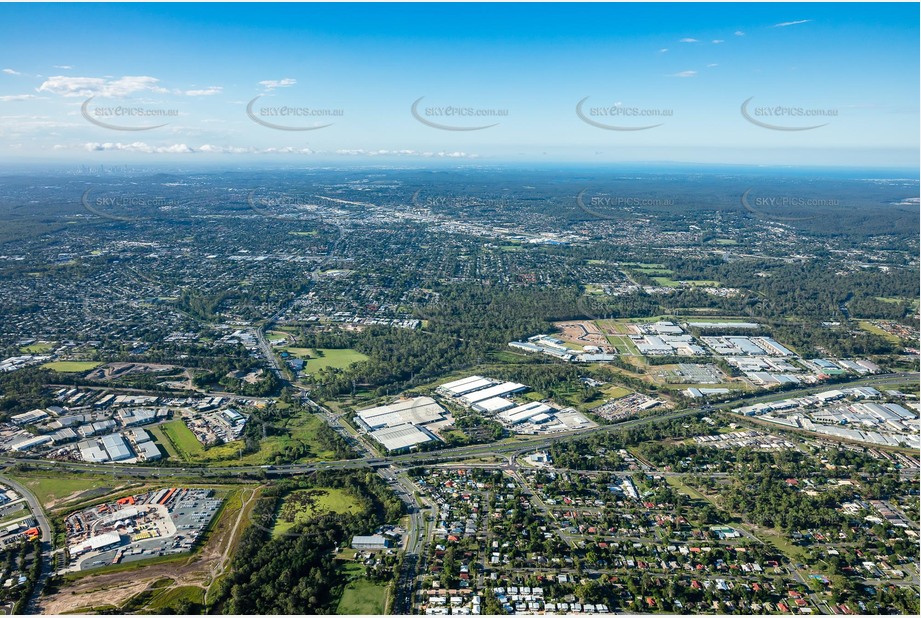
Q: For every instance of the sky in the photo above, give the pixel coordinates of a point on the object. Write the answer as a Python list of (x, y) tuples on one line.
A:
[(823, 84)]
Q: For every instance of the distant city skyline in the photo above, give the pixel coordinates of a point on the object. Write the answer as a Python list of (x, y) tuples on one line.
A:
[(188, 84)]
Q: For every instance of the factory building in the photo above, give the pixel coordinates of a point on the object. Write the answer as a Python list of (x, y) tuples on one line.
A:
[(402, 437), (416, 411)]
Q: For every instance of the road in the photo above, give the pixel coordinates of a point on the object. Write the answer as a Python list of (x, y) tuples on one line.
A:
[(508, 449), (46, 541)]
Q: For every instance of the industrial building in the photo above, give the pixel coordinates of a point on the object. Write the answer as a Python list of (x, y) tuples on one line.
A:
[(116, 447), (496, 404), (29, 418), (374, 541), (30, 443), (464, 386), (95, 543), (506, 388), (416, 411), (402, 437), (524, 412)]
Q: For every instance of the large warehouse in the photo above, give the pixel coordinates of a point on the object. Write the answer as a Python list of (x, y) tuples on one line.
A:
[(402, 437), (415, 411), (506, 388), (465, 385)]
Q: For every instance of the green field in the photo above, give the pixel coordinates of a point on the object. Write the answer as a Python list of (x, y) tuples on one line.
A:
[(163, 441), (876, 330), (303, 504), (665, 282), (180, 442), (337, 359), (49, 487), (704, 283), (616, 392), (170, 597), (37, 348), (360, 596), (182, 438), (71, 366)]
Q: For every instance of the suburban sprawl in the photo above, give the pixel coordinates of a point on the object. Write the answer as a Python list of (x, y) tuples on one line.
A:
[(393, 391)]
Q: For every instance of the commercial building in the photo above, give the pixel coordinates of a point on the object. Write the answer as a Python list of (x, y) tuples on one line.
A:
[(416, 411), (116, 447), (95, 543), (29, 418), (30, 443), (374, 541), (464, 386), (506, 388), (402, 437)]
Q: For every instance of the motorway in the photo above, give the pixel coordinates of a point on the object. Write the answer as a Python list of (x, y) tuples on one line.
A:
[(45, 527), (508, 449)]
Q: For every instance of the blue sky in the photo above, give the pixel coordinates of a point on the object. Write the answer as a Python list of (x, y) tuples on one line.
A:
[(687, 68)]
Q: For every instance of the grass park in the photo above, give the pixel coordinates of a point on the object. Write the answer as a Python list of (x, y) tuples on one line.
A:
[(40, 347), (323, 358), (179, 442), (71, 366), (302, 505), (361, 597)]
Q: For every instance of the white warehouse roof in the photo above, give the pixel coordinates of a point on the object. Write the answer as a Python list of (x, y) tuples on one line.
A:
[(401, 436), (470, 387), (456, 383), (496, 404), (418, 411), (494, 391), (95, 542)]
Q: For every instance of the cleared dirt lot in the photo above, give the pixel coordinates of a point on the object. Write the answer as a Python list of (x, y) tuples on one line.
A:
[(582, 333)]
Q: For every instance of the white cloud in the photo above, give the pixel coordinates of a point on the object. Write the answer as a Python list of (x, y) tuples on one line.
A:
[(142, 147), (685, 74), (663, 50), (710, 66), (17, 97), (98, 86), (210, 148), (65, 67), (718, 41), (405, 153), (137, 147), (286, 150), (784, 24), (689, 40), (205, 92), (739, 33), (11, 72), (271, 84)]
